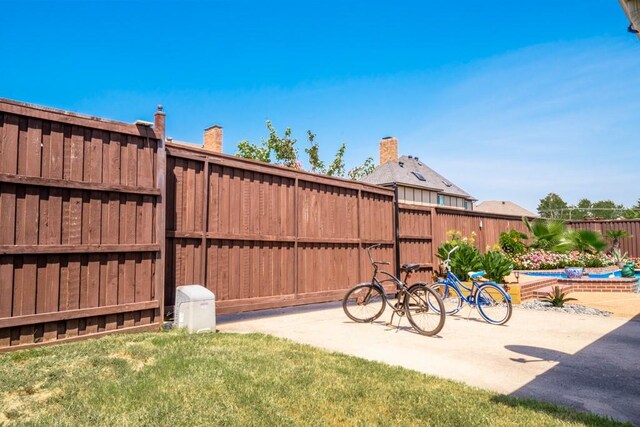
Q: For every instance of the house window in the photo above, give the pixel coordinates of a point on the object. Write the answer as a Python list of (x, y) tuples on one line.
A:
[(440, 200), (466, 205)]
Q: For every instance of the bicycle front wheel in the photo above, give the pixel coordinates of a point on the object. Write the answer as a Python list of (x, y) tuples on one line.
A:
[(364, 303), (493, 304), (450, 297), (418, 305)]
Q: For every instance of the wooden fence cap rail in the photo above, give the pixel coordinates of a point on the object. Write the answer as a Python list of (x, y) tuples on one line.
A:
[(478, 214), (258, 166), (71, 118)]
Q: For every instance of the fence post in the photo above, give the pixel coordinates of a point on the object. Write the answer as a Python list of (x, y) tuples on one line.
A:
[(396, 219), (161, 183)]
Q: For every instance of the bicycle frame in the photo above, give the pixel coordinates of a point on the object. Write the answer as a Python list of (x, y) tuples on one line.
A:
[(452, 280), (401, 285), (415, 301)]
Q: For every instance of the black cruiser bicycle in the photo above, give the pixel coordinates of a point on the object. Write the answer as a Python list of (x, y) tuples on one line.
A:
[(423, 307)]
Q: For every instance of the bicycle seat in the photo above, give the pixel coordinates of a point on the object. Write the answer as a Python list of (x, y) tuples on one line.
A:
[(476, 274), (410, 267)]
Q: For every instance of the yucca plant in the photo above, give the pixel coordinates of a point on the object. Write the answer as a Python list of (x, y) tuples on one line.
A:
[(557, 298)]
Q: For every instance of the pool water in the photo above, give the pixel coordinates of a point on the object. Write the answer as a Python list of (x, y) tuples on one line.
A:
[(591, 275)]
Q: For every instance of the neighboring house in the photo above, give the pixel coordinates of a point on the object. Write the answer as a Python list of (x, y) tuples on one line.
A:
[(418, 184), (504, 207)]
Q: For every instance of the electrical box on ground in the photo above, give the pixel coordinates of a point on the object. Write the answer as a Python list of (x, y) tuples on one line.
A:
[(195, 309)]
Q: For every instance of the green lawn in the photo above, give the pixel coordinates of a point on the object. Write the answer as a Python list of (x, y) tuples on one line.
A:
[(171, 378)]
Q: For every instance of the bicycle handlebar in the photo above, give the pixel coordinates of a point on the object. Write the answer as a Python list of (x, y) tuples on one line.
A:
[(446, 262), (371, 258)]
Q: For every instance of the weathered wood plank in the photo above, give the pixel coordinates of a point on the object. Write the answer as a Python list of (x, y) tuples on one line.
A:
[(79, 185), (66, 117), (77, 249), (9, 144)]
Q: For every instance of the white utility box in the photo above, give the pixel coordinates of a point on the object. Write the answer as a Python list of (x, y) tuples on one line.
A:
[(195, 309)]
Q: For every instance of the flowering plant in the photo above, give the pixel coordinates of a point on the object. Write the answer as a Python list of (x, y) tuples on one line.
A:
[(540, 259)]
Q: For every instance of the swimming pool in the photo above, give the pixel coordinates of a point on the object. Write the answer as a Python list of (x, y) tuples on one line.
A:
[(559, 275)]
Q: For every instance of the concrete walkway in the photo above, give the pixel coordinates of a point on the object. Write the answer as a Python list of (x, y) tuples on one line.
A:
[(622, 304), (586, 362)]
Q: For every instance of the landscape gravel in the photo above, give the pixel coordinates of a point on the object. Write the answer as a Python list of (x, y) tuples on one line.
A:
[(568, 308)]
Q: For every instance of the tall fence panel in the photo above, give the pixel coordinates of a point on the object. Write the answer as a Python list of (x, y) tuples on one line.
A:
[(486, 226), (416, 239), (630, 245), (263, 236), (423, 229), (78, 216)]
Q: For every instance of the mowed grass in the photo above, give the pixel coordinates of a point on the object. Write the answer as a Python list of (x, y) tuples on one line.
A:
[(172, 378)]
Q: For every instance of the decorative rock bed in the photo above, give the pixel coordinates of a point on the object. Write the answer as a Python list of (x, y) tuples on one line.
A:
[(568, 308)]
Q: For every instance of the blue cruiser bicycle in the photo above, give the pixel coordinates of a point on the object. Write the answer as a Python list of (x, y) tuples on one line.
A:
[(491, 300)]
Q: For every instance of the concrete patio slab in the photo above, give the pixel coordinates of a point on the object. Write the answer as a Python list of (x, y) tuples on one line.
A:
[(622, 304), (586, 362)]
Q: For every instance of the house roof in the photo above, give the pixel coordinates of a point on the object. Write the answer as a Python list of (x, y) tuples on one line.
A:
[(504, 207), (402, 172)]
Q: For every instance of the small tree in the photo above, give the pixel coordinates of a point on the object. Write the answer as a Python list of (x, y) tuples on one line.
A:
[(285, 153), (606, 209), (363, 170), (615, 236), (552, 206)]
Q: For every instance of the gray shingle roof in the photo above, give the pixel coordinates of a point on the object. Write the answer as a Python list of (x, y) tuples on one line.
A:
[(504, 207), (393, 172)]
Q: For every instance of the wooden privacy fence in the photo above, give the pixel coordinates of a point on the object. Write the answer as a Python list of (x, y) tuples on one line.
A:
[(85, 248), (423, 229), (80, 208), (630, 245), (263, 236), (487, 226)]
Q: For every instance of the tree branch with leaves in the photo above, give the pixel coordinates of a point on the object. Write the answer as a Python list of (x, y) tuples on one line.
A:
[(284, 152)]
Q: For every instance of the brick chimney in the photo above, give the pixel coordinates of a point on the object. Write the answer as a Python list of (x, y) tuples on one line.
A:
[(159, 119), (213, 138), (388, 150)]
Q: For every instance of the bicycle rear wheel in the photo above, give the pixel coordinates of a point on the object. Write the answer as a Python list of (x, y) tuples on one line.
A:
[(493, 304), (450, 297), (418, 305), (364, 303)]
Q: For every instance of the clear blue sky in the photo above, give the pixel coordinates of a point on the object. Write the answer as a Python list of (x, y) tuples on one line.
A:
[(509, 100)]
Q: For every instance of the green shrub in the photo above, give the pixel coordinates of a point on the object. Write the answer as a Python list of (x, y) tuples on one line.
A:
[(496, 266), (512, 242), (585, 241), (467, 258)]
